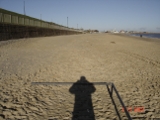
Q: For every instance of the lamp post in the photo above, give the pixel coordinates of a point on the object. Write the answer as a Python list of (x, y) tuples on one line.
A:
[(24, 8), (41, 19), (67, 21)]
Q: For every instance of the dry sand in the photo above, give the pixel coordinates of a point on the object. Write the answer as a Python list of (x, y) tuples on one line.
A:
[(132, 64)]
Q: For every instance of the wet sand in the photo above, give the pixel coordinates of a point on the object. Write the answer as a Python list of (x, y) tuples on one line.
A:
[(132, 64)]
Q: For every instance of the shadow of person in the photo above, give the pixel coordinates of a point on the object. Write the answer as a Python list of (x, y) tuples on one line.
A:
[(83, 108)]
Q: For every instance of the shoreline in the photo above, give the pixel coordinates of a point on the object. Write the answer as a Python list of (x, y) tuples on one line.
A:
[(139, 38)]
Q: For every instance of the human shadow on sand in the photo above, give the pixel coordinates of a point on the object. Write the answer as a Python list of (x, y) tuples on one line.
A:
[(83, 108)]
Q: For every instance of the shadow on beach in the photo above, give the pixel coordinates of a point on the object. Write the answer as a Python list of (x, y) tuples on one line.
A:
[(83, 108)]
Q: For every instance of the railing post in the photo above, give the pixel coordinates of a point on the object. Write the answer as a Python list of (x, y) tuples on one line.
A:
[(125, 109), (111, 89)]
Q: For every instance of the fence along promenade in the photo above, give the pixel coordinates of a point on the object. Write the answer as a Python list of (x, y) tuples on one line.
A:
[(15, 26), (8, 17)]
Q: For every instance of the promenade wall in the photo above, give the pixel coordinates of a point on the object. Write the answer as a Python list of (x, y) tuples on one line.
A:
[(14, 25)]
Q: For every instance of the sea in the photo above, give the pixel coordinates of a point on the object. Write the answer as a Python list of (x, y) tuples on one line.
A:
[(148, 35)]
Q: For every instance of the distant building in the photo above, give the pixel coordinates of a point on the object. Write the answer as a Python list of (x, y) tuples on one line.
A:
[(122, 31), (131, 31), (115, 32)]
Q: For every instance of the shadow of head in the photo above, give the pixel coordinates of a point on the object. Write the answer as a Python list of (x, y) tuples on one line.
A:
[(83, 80)]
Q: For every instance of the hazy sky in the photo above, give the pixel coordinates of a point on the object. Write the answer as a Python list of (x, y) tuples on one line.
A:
[(140, 15)]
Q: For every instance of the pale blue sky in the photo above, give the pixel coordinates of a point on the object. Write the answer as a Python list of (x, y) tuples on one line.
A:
[(140, 15)]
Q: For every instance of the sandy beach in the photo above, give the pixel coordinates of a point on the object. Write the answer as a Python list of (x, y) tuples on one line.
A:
[(131, 63)]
